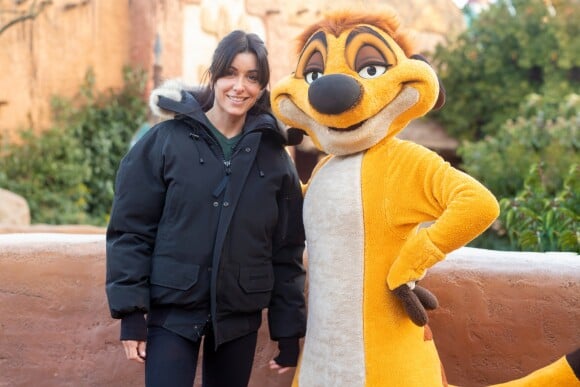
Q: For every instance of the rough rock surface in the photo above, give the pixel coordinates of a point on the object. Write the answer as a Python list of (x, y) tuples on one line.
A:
[(501, 316), (14, 210), (504, 314)]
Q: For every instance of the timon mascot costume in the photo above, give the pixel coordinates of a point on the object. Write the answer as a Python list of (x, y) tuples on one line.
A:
[(378, 211), (355, 87)]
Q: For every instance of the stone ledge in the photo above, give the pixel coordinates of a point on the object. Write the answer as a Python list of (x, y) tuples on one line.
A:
[(51, 229), (502, 314)]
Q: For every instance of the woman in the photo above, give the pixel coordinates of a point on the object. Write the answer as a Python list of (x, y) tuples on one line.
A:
[(206, 231)]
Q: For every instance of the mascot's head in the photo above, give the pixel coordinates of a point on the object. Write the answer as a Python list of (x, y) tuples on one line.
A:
[(356, 82)]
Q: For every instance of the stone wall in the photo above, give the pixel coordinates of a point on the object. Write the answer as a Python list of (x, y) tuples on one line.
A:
[(51, 54), (504, 314), (501, 315)]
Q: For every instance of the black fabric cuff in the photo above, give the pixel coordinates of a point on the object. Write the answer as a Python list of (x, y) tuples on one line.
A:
[(134, 327), (289, 349)]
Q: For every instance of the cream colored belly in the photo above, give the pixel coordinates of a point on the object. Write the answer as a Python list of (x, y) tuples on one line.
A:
[(334, 349)]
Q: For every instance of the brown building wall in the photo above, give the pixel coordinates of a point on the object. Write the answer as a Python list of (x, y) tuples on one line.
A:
[(501, 315), (51, 55)]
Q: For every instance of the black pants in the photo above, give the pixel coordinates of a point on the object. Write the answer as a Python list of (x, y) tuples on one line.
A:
[(172, 360)]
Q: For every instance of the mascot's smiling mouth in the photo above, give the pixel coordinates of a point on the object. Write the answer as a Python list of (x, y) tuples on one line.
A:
[(353, 139), (349, 129)]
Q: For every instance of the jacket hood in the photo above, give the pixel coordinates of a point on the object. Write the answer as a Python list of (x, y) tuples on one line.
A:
[(190, 108)]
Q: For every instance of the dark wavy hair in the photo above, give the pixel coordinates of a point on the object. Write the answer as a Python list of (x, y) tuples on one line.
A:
[(234, 43)]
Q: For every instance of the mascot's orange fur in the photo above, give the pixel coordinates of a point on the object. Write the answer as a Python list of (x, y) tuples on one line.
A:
[(379, 211), (356, 86)]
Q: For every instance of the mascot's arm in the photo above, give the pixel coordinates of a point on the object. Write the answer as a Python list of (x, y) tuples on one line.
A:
[(461, 207)]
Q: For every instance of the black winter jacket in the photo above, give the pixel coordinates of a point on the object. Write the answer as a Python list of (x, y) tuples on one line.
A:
[(192, 235)]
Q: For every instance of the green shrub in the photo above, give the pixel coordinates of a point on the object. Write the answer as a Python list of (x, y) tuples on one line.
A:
[(537, 221), (67, 173), (48, 170), (103, 124), (501, 162), (503, 57), (531, 165)]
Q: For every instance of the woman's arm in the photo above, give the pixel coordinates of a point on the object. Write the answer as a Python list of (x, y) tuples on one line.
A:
[(137, 207)]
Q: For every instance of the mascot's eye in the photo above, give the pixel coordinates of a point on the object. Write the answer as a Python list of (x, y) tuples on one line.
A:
[(372, 71), (312, 76)]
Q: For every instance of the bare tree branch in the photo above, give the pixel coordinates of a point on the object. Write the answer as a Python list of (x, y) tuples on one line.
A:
[(33, 11)]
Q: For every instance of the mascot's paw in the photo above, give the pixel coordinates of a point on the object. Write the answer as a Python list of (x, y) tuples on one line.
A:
[(416, 302), (169, 89), (428, 299)]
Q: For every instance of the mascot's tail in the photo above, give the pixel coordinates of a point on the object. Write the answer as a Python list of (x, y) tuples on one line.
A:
[(564, 372)]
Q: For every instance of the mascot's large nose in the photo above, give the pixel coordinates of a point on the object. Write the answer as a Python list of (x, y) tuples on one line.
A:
[(334, 93)]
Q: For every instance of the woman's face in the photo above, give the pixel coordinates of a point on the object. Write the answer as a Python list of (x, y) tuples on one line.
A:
[(238, 90)]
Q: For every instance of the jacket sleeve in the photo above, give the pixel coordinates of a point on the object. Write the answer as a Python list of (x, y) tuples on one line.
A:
[(287, 309), (130, 239)]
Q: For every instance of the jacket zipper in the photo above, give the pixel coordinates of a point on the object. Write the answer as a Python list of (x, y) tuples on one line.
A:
[(227, 165)]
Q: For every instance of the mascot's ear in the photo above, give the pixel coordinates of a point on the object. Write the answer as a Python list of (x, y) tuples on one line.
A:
[(441, 97)]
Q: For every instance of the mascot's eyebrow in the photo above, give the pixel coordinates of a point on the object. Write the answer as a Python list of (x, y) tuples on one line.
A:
[(365, 30), (320, 35)]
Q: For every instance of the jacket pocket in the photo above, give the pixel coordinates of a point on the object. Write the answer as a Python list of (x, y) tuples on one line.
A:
[(257, 279), (246, 289), (175, 275)]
